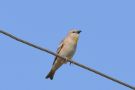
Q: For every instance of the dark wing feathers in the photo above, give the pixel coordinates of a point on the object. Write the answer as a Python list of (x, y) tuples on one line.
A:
[(58, 50)]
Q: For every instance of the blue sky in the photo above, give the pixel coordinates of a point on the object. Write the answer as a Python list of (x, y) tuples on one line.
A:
[(106, 43)]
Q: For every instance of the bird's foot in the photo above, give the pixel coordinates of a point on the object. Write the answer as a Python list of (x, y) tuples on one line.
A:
[(70, 63), (67, 60)]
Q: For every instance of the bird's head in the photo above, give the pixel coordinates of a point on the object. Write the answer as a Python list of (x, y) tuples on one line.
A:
[(74, 34)]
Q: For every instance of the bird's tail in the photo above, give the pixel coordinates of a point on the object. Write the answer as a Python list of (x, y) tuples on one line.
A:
[(50, 74)]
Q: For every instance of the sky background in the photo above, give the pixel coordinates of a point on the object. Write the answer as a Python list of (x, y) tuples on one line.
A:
[(107, 43)]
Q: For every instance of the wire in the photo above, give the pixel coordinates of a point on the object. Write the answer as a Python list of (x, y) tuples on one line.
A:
[(69, 60)]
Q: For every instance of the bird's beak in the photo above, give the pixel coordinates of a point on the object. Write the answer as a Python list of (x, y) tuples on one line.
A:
[(79, 31)]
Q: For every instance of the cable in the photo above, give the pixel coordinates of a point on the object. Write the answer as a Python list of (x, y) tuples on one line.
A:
[(69, 60)]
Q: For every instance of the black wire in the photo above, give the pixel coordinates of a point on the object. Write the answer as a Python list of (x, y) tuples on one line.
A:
[(69, 60)]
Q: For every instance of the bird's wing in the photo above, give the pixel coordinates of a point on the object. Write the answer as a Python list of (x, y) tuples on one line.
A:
[(59, 49)]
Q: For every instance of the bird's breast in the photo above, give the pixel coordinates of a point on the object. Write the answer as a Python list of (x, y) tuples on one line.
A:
[(69, 49)]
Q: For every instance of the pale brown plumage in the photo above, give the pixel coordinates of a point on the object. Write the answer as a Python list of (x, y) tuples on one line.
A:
[(66, 49)]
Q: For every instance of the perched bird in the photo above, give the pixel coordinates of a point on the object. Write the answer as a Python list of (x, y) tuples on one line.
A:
[(66, 49)]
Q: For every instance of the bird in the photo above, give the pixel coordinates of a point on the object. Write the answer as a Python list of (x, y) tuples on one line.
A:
[(66, 49)]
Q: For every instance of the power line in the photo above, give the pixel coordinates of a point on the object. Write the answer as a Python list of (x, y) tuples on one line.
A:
[(69, 60)]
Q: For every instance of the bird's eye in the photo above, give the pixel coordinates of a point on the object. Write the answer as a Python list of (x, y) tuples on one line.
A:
[(73, 32)]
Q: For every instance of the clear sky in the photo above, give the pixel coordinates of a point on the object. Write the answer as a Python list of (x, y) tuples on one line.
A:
[(107, 43)]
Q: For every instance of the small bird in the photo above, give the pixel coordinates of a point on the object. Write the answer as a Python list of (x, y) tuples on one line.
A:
[(66, 49)]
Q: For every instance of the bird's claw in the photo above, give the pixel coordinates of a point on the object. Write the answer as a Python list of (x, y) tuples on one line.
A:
[(66, 59), (70, 63)]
